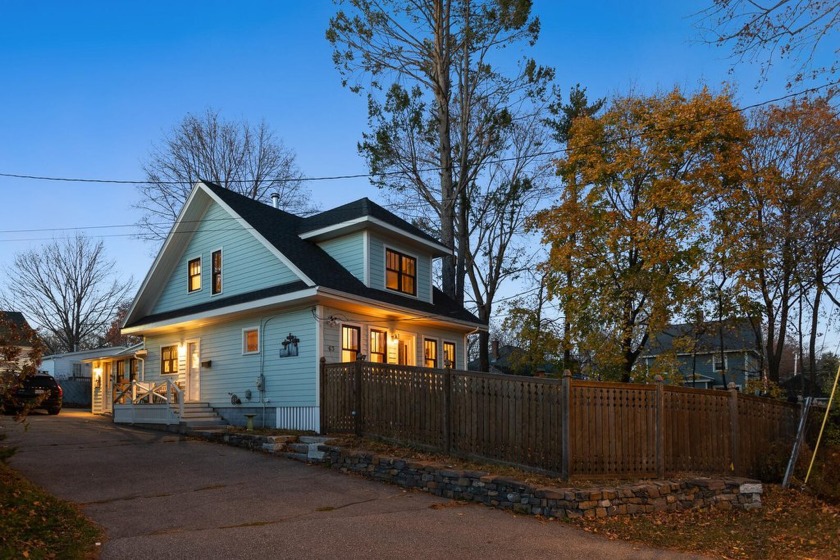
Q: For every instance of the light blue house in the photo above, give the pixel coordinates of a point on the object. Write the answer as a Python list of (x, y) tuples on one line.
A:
[(244, 300)]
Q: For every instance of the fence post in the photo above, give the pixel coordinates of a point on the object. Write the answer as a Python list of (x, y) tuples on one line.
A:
[(735, 437), (659, 431), (447, 410), (357, 393), (322, 408), (565, 427)]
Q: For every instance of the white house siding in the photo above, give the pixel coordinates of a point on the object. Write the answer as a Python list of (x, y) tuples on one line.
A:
[(376, 251), (332, 336), (349, 252), (291, 382), (247, 265)]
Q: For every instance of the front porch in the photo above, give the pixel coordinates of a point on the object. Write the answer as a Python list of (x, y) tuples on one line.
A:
[(162, 403)]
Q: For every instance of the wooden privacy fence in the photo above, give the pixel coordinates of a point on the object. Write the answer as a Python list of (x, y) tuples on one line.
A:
[(564, 426)]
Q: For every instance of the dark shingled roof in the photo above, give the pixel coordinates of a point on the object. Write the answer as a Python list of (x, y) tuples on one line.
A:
[(283, 230), (358, 209)]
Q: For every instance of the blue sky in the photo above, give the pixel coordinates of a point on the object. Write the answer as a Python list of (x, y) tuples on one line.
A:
[(88, 87)]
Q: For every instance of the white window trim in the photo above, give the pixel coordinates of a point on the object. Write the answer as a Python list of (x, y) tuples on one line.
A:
[(438, 350), (244, 341), (177, 346), (385, 249), (443, 353), (220, 292), (200, 274), (387, 336), (363, 344), (716, 357)]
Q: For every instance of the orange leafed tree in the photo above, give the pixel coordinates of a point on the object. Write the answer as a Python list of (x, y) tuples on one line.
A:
[(629, 228), (780, 225)]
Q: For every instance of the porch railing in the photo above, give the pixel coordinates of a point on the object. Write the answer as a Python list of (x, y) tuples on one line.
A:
[(150, 403)]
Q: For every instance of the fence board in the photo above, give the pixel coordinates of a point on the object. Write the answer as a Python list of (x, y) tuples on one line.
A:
[(612, 426)]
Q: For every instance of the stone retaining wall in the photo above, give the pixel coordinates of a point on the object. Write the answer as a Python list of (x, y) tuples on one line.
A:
[(508, 493)]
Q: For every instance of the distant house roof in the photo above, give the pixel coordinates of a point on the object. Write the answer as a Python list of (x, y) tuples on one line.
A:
[(288, 234), (504, 362), (737, 335)]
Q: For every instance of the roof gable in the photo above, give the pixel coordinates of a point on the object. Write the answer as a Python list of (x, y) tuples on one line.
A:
[(280, 232), (191, 222), (365, 214)]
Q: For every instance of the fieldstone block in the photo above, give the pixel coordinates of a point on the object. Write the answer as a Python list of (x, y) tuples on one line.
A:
[(751, 488)]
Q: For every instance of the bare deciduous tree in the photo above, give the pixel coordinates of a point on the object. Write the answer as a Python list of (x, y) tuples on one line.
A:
[(769, 29), (248, 160), (69, 289)]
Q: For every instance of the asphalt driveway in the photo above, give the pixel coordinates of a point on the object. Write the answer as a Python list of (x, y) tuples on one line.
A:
[(160, 495)]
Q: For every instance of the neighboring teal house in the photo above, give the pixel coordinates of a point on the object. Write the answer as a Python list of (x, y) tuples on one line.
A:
[(698, 353), (244, 300)]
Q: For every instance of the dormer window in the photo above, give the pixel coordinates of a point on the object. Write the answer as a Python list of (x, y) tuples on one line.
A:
[(194, 275), (400, 272)]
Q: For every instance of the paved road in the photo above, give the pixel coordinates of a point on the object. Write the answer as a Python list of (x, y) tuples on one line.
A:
[(160, 496)]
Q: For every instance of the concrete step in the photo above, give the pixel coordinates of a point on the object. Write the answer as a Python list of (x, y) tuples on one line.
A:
[(309, 450)]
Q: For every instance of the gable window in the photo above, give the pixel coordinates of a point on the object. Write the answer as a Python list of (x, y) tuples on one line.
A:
[(251, 340), (449, 354), (430, 347), (194, 275), (400, 272), (216, 282), (378, 346), (350, 340), (169, 359)]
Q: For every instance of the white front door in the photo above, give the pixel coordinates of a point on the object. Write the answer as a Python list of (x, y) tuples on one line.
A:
[(193, 372)]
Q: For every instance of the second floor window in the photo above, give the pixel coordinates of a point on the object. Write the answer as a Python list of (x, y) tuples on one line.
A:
[(400, 272), (216, 284), (194, 275)]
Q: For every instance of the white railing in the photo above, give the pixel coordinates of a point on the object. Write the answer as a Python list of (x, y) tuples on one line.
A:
[(143, 402)]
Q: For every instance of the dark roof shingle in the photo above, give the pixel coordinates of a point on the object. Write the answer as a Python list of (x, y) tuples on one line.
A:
[(283, 229)]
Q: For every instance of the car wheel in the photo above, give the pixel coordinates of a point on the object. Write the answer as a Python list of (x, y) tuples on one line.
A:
[(54, 411)]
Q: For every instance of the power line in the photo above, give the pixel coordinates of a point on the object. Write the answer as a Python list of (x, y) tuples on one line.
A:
[(341, 177)]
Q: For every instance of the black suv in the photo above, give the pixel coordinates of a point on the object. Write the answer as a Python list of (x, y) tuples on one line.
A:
[(38, 391)]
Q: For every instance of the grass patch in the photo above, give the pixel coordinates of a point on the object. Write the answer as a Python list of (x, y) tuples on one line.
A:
[(34, 524)]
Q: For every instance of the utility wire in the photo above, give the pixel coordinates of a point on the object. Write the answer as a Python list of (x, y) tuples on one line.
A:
[(424, 170)]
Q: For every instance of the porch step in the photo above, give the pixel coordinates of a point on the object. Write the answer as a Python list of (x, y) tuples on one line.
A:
[(200, 415)]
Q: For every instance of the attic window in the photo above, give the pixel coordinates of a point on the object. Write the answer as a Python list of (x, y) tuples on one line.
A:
[(194, 275), (400, 272)]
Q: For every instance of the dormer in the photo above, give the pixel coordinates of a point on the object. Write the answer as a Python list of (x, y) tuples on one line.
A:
[(380, 249)]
